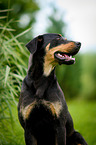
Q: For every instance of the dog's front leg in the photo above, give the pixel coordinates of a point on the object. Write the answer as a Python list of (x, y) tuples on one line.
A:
[(76, 139), (61, 135), (29, 138)]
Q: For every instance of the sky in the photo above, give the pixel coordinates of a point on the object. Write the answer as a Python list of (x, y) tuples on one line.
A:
[(80, 16)]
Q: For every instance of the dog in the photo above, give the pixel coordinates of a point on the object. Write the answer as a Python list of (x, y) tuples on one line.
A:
[(42, 109)]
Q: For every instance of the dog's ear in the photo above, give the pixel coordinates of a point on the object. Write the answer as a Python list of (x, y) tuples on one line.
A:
[(34, 43)]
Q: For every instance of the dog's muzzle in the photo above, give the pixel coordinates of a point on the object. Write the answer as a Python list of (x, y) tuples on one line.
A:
[(66, 58)]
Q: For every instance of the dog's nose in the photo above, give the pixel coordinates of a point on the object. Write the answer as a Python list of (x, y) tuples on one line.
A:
[(78, 44)]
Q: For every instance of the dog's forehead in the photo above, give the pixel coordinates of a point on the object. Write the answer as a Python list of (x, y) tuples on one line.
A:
[(54, 40), (50, 36)]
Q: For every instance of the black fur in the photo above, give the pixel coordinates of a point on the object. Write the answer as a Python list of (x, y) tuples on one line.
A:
[(43, 125)]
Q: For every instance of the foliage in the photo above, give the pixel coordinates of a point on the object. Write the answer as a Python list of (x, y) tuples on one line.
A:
[(23, 13), (57, 25), (84, 117), (11, 133), (13, 67), (88, 77), (79, 80)]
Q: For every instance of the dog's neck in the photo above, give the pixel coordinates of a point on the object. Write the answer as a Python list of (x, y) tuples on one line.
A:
[(38, 77), (38, 69), (36, 74), (40, 84)]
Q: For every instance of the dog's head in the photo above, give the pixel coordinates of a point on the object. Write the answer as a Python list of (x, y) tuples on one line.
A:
[(52, 49)]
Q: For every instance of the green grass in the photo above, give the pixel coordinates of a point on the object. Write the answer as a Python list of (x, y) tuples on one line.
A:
[(83, 114), (84, 117), (13, 67), (11, 133)]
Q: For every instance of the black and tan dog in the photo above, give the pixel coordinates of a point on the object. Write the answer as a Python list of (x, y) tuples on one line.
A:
[(42, 108)]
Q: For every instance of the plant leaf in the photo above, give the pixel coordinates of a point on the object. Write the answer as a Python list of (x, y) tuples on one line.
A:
[(7, 73)]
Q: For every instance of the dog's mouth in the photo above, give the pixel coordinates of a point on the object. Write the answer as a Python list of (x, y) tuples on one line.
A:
[(64, 58)]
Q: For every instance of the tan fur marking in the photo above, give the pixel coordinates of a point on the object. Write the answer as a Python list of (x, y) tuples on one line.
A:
[(62, 48), (27, 110), (58, 107), (47, 47), (49, 61), (50, 106), (52, 109), (55, 108)]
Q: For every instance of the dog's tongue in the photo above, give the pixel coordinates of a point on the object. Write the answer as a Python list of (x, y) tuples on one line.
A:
[(65, 55)]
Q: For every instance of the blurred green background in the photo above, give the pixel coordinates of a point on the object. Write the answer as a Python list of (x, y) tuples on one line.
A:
[(77, 81)]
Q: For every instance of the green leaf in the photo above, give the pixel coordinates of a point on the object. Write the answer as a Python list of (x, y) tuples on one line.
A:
[(7, 74)]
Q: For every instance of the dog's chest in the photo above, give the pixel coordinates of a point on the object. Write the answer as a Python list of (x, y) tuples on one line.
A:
[(54, 108)]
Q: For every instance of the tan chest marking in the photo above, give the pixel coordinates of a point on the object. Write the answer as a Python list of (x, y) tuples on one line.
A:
[(58, 107), (55, 108), (25, 111)]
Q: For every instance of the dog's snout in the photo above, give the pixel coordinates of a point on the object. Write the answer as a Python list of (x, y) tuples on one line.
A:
[(78, 44)]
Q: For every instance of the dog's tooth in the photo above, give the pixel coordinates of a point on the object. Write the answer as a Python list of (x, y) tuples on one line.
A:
[(59, 54), (70, 56)]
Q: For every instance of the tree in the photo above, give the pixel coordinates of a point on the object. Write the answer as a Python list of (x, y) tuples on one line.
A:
[(57, 25), (22, 12)]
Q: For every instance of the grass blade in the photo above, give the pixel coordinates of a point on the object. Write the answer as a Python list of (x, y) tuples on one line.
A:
[(18, 35), (7, 73)]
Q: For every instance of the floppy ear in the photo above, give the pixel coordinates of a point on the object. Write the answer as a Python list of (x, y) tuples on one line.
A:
[(33, 44)]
